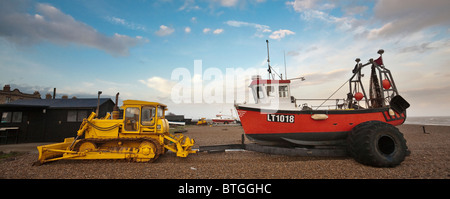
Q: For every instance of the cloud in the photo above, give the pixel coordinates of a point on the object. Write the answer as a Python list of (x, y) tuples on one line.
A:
[(187, 30), (260, 29), (160, 84), (425, 47), (188, 6), (424, 100), (392, 18), (302, 5), (206, 30), (52, 25), (279, 34), (228, 3), (313, 12), (316, 78), (305, 5), (355, 10), (125, 23), (399, 18), (164, 31), (218, 31)]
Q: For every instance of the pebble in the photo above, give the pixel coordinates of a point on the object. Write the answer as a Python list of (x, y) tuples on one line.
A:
[(430, 158)]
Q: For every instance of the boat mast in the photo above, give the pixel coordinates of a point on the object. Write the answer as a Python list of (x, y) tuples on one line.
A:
[(285, 72), (268, 60)]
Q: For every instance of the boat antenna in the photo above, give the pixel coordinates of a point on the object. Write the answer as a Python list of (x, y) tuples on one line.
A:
[(285, 72), (268, 59)]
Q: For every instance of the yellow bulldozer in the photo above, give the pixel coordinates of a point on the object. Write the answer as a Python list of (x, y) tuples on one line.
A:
[(141, 136)]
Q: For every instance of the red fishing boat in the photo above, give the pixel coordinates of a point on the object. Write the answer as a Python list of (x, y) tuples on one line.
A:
[(356, 121)]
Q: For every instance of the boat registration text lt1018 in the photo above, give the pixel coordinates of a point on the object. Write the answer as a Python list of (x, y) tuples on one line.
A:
[(280, 118)]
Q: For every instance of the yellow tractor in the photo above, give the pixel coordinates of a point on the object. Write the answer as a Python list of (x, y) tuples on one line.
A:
[(141, 136), (202, 121)]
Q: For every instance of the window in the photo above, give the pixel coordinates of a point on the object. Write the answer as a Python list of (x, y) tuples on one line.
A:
[(72, 116), (148, 113), (283, 91), (260, 92), (131, 119), (271, 91), (76, 116), (17, 117), (81, 115), (160, 112), (6, 117)]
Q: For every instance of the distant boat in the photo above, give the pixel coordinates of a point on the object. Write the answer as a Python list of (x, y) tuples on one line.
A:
[(225, 119), (177, 123)]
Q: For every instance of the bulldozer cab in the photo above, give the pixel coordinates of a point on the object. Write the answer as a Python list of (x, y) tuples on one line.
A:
[(143, 117)]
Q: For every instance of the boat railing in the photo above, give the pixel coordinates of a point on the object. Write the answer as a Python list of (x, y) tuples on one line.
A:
[(308, 104)]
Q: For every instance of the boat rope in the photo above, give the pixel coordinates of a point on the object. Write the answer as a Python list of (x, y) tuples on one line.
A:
[(333, 94)]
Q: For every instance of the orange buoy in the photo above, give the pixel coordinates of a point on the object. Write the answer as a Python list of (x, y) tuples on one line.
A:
[(386, 84), (358, 96)]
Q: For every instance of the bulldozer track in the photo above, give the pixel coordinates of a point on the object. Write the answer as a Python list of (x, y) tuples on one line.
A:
[(158, 152)]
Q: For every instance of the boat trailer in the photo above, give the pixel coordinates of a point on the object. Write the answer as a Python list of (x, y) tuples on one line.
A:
[(322, 151)]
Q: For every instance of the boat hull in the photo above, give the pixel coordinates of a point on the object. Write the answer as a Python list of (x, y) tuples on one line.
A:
[(308, 127), (227, 121)]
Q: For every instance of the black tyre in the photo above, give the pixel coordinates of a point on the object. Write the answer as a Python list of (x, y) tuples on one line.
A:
[(377, 143)]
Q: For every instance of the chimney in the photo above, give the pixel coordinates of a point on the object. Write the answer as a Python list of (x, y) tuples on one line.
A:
[(48, 96), (7, 87)]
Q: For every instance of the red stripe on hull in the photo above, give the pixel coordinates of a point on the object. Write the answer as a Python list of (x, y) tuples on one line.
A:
[(222, 120), (255, 121)]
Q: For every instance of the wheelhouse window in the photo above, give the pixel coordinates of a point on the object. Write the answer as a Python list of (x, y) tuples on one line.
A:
[(271, 91), (283, 91), (148, 113), (260, 92)]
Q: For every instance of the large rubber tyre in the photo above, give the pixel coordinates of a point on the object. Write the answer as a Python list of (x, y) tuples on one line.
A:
[(377, 144)]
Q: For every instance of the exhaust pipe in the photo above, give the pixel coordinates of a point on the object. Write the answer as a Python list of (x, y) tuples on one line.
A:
[(115, 113)]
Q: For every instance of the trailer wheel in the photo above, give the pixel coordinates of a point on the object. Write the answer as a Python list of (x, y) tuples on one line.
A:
[(377, 143)]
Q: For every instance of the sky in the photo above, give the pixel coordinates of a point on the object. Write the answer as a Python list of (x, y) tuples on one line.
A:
[(160, 50)]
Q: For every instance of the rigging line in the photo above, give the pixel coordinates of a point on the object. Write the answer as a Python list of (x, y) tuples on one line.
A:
[(275, 73), (333, 93)]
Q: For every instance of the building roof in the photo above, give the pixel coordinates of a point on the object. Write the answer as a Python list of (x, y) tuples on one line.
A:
[(57, 103)]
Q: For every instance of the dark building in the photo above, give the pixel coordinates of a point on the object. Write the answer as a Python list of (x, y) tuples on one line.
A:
[(46, 120), (7, 95)]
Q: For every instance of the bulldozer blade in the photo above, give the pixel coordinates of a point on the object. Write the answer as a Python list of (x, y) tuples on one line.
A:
[(182, 145), (52, 152)]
